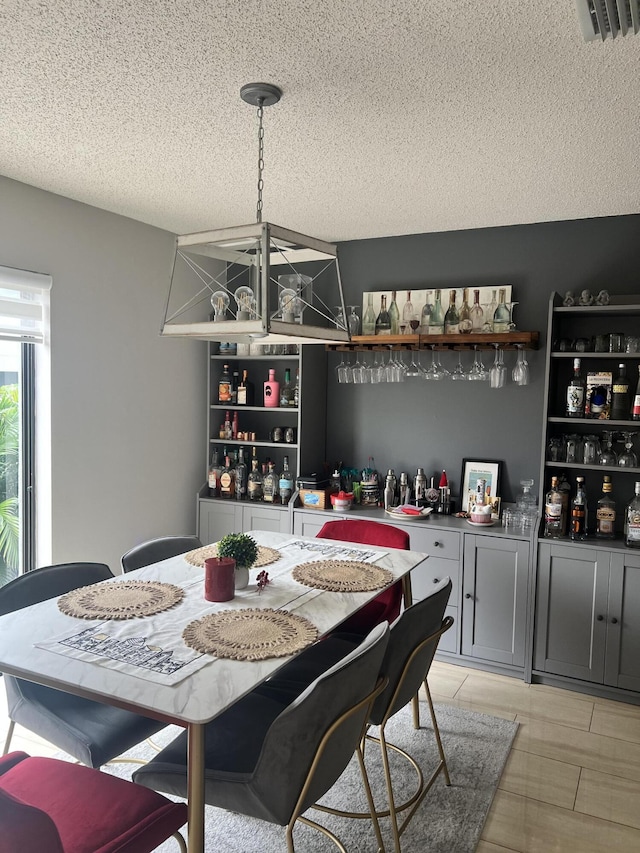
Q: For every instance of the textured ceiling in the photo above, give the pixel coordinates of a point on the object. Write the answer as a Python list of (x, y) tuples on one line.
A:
[(398, 116)]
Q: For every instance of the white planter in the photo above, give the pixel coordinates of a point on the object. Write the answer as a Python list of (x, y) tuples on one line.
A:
[(242, 577)]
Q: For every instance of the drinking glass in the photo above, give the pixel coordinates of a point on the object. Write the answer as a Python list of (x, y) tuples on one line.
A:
[(345, 373), (498, 372), (459, 372), (607, 454), (359, 370), (340, 321), (445, 374), (512, 326), (340, 369), (413, 370), (378, 373), (433, 372), (628, 458), (520, 373), (591, 450), (478, 372)]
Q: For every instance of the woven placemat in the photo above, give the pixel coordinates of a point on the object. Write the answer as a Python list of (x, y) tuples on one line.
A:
[(266, 556), (120, 600), (342, 576), (250, 634)]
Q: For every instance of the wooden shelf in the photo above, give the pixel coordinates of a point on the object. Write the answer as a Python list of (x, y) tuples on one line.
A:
[(508, 340)]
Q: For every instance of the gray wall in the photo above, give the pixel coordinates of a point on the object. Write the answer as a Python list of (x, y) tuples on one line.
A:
[(435, 425), (128, 427)]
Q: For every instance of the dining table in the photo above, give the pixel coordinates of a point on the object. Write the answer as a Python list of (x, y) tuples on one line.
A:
[(144, 664)]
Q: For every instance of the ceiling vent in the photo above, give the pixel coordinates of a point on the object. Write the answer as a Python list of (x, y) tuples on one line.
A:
[(608, 18)]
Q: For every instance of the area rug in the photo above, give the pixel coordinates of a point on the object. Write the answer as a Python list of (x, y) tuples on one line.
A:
[(449, 819)]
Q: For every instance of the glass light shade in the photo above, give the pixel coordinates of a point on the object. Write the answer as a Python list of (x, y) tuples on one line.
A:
[(220, 304), (290, 305), (246, 302)]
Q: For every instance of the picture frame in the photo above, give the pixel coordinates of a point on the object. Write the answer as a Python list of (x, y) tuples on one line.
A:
[(472, 470)]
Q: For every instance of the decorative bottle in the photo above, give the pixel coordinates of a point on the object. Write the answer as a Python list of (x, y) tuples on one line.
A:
[(501, 315), (227, 480), (286, 390), (271, 391), (383, 321), (214, 476), (408, 313), (491, 310), (579, 511), (394, 315), (245, 391), (576, 392), (285, 482), (241, 476), (465, 313), (635, 409), (606, 512), (452, 318), (436, 317), (270, 484), (620, 396), (224, 385), (254, 483), (632, 521), (553, 512), (369, 319)]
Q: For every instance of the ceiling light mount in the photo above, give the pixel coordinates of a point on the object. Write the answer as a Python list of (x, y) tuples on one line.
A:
[(261, 94)]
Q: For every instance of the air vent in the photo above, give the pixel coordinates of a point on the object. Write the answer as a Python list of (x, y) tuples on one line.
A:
[(608, 18)]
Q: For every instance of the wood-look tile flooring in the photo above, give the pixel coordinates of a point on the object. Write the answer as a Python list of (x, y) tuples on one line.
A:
[(572, 780)]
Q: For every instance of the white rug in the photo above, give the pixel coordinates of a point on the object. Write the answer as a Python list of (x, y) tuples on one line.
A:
[(449, 820)]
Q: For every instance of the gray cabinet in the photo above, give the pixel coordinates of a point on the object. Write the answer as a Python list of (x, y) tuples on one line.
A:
[(216, 518), (494, 599), (587, 625)]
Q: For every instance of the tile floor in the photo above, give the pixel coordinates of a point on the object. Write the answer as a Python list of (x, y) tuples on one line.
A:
[(572, 781)]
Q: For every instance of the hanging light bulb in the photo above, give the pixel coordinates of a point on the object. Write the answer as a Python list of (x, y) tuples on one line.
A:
[(289, 305), (245, 300), (220, 303)]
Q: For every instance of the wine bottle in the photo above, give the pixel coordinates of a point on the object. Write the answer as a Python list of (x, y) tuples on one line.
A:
[(606, 512), (383, 321), (241, 476), (369, 319), (452, 318), (394, 315), (286, 390), (246, 391), (620, 396), (214, 475), (465, 313), (576, 392), (501, 315), (436, 317), (635, 410), (477, 314), (579, 511), (553, 512), (632, 521), (227, 480)]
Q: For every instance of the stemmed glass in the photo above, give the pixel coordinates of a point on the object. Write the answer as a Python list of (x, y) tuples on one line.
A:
[(340, 321), (478, 371), (435, 371), (378, 372), (498, 372), (459, 372), (512, 326), (414, 369), (628, 458), (607, 454), (359, 370), (342, 369), (520, 372)]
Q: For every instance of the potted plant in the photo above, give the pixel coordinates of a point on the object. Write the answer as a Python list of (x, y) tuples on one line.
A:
[(244, 550)]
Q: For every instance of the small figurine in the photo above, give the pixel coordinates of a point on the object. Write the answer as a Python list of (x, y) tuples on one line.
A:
[(568, 300), (586, 298), (602, 298)]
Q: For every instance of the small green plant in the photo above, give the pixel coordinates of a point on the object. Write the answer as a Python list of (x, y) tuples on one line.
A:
[(242, 547)]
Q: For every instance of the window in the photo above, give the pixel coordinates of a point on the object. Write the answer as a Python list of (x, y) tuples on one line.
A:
[(24, 299)]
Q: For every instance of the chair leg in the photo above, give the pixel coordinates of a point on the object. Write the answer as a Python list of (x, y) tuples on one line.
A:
[(436, 731), (182, 844), (392, 804), (7, 742), (415, 707), (367, 788)]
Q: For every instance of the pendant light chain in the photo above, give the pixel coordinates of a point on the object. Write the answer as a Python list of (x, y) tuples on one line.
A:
[(260, 159)]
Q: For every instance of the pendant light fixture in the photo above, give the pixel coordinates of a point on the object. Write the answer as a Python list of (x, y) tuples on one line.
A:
[(256, 282)]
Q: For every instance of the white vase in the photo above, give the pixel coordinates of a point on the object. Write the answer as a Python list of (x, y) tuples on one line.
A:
[(242, 577)]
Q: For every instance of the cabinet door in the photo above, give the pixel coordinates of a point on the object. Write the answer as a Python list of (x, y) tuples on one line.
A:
[(494, 604), (571, 612), (256, 516), (216, 519), (622, 662), (309, 523)]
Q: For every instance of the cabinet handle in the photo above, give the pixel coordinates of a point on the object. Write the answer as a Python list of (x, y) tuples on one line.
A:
[(437, 544), (614, 621), (599, 618), (468, 595), (436, 580)]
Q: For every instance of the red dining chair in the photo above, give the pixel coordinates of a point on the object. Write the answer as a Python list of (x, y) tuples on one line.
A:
[(386, 606), (53, 806)]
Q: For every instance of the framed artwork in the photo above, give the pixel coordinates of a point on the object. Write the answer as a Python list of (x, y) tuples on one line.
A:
[(472, 471)]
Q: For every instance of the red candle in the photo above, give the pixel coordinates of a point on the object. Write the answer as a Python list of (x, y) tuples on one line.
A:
[(219, 578)]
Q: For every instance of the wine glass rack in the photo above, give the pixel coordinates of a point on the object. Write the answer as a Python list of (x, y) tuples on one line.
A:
[(507, 340)]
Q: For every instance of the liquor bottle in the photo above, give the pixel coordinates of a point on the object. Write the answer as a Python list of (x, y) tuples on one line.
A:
[(620, 396), (285, 482), (235, 381), (383, 320), (565, 490), (553, 512), (632, 521), (270, 484), (286, 391), (234, 426), (241, 476), (228, 428), (606, 512), (635, 409), (296, 389), (579, 511), (394, 315), (501, 315), (576, 392), (436, 317), (452, 318), (369, 319), (465, 313), (254, 457), (224, 385), (246, 391), (271, 391), (254, 482), (214, 475), (227, 480), (477, 314)]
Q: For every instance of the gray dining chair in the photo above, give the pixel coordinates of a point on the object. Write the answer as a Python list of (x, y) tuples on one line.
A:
[(273, 760), (89, 731), (412, 645), (158, 549)]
